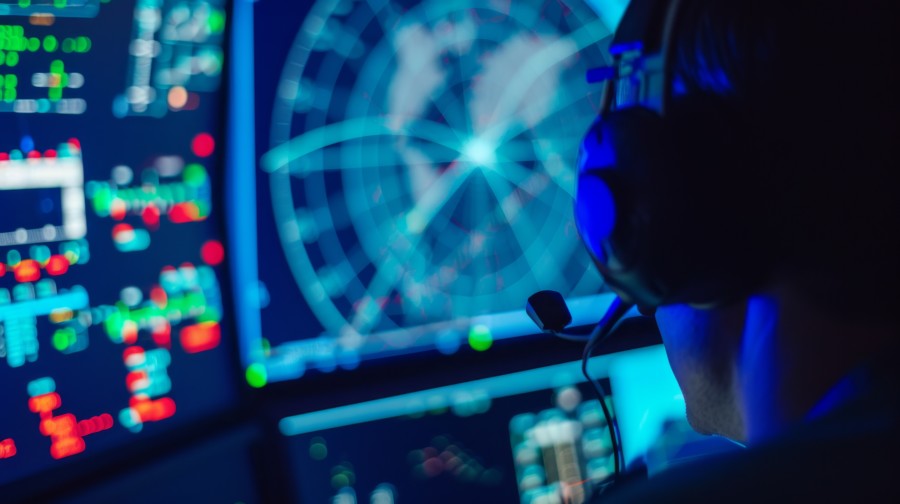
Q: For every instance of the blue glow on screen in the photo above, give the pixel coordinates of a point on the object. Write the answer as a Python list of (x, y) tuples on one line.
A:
[(242, 183), (645, 394), (514, 429)]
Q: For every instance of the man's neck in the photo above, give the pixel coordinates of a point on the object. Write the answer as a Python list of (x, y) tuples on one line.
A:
[(797, 364)]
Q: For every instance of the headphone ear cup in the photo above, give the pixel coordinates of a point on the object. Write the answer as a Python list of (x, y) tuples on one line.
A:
[(595, 213), (614, 204)]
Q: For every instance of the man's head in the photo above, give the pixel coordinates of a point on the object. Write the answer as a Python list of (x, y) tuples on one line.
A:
[(771, 172)]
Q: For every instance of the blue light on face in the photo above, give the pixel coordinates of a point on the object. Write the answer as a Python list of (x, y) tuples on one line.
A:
[(758, 352)]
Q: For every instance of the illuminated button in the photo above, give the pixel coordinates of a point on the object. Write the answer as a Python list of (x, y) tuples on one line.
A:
[(212, 252), (203, 145), (27, 271)]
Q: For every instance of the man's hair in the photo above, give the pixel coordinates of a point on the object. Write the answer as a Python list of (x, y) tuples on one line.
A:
[(809, 90)]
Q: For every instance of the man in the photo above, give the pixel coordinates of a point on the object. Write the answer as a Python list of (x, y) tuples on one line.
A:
[(777, 190)]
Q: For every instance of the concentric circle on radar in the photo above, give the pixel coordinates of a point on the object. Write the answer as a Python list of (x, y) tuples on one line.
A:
[(422, 162)]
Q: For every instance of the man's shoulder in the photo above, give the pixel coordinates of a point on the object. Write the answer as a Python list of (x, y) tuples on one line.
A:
[(826, 461)]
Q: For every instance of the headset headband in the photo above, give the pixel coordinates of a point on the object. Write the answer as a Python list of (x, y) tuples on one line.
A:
[(642, 49), (617, 211)]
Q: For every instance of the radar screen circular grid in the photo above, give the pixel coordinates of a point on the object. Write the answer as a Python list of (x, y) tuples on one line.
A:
[(422, 161)]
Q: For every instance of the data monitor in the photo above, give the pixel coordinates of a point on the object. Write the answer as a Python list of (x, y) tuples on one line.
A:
[(416, 171), (113, 325), (537, 437)]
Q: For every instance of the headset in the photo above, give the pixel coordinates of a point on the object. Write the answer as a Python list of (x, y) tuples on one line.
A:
[(624, 148), (652, 229), (610, 213), (657, 201)]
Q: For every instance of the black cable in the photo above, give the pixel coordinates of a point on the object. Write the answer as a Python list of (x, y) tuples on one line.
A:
[(573, 337), (616, 311)]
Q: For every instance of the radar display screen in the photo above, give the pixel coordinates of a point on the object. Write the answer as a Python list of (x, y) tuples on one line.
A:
[(416, 174)]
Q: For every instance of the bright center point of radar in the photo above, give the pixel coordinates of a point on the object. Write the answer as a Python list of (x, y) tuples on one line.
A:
[(479, 152)]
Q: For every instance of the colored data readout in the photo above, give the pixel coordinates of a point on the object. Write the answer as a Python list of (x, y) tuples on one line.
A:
[(536, 436), (35, 174), (180, 43), (66, 432), (113, 326)]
